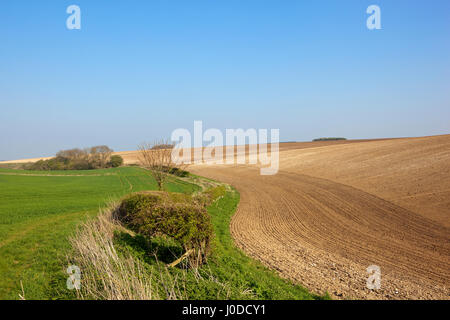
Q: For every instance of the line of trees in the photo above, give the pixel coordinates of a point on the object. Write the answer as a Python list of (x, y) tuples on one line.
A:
[(79, 159), (329, 139)]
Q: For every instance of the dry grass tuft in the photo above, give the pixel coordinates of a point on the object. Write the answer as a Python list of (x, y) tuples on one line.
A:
[(106, 275)]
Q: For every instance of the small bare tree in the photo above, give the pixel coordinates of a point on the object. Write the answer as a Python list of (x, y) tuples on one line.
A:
[(157, 158), (73, 154), (99, 156)]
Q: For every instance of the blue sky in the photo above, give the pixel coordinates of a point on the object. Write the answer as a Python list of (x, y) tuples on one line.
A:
[(137, 70)]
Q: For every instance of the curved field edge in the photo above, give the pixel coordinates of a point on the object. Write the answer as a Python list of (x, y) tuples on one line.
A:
[(231, 265), (228, 274)]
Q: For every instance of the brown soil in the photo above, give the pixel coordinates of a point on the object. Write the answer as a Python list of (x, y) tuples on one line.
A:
[(336, 208)]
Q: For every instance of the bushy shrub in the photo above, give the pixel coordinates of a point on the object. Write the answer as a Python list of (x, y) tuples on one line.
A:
[(178, 172), (176, 216), (57, 163), (77, 159), (38, 165), (115, 161)]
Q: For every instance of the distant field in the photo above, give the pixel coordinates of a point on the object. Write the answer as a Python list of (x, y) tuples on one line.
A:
[(39, 210)]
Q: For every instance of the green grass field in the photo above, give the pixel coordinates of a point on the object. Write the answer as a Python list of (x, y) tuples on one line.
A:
[(38, 212)]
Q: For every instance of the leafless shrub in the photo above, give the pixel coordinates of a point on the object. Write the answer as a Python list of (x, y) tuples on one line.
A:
[(73, 154), (157, 158), (99, 156)]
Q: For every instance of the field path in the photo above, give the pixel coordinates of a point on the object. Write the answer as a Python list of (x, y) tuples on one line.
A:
[(324, 234)]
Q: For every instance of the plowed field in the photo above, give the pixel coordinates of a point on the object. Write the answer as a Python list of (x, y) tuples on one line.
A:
[(334, 209)]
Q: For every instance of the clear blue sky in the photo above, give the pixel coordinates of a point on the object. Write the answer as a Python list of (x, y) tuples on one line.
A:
[(139, 69)]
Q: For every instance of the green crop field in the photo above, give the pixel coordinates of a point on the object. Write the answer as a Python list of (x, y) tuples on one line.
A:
[(39, 211)]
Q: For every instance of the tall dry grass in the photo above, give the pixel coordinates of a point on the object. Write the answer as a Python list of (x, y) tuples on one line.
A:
[(108, 275)]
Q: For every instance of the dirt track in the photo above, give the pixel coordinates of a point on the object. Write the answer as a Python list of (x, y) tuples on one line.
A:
[(332, 211)]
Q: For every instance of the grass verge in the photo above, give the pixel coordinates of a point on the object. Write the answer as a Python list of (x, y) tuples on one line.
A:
[(228, 274)]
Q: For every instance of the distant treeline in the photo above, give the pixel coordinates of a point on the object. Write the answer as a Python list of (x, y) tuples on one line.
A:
[(79, 159), (329, 139), (162, 146)]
